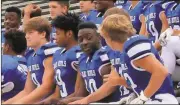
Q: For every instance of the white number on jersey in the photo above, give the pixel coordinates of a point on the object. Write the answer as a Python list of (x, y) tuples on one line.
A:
[(6, 87), (63, 90), (128, 78), (92, 85), (176, 27), (123, 90), (153, 30)]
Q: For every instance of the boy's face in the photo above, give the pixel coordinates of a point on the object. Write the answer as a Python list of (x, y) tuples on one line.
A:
[(86, 6), (33, 38), (56, 9)]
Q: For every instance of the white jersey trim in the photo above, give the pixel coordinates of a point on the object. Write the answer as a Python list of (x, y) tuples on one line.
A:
[(139, 69), (51, 50), (73, 66), (100, 68), (7, 87), (138, 48)]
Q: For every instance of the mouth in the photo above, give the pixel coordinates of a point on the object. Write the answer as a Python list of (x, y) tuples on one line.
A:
[(86, 49), (81, 7)]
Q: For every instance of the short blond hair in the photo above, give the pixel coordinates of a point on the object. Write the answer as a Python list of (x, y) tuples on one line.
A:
[(115, 10), (39, 24), (118, 27)]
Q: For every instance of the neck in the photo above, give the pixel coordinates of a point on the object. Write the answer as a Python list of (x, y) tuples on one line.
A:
[(40, 44), (86, 12), (94, 50), (119, 46), (72, 44), (11, 53)]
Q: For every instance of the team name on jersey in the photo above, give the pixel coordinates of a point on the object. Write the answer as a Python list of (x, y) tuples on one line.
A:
[(34, 67), (133, 18), (150, 16), (88, 73), (173, 20), (115, 61), (60, 63)]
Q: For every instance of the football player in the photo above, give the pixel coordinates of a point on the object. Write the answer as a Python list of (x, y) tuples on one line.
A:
[(12, 19), (40, 78), (155, 18), (102, 6), (94, 63), (152, 84), (135, 11), (65, 60), (88, 10), (14, 66), (115, 61), (57, 8), (171, 52)]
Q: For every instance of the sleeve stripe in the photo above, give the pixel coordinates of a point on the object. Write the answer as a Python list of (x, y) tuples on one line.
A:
[(143, 55), (75, 65), (138, 48), (51, 50)]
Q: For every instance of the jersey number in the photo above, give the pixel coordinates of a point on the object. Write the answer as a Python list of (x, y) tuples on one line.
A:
[(123, 91), (130, 82), (91, 83), (153, 30), (34, 79), (62, 85), (176, 27)]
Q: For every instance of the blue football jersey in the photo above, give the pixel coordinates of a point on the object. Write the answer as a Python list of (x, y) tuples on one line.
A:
[(114, 57), (137, 47), (36, 60), (29, 51), (91, 17), (90, 71), (152, 17), (65, 65), (53, 35), (173, 15), (2, 37), (135, 14), (13, 76), (124, 4)]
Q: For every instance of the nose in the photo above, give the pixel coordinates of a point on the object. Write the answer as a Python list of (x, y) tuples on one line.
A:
[(84, 42)]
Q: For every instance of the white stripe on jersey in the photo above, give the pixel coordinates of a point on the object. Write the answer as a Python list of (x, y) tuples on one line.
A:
[(78, 54), (7, 87), (138, 48), (51, 50), (100, 68)]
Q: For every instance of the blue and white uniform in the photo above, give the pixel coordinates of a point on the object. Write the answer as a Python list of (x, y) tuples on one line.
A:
[(36, 62), (90, 69), (114, 57), (65, 64), (137, 47), (135, 15), (152, 13), (173, 15)]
